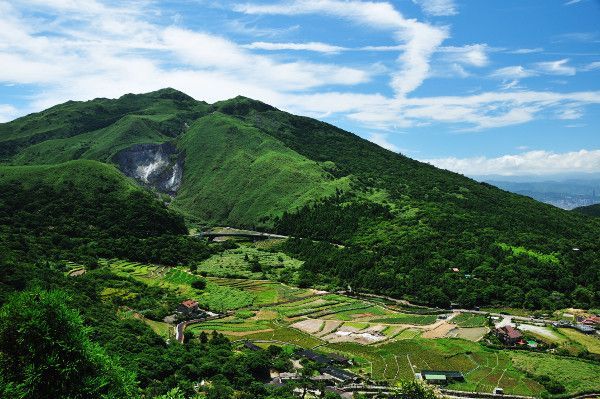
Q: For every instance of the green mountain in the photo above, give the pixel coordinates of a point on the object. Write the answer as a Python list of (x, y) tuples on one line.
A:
[(405, 227), (590, 210)]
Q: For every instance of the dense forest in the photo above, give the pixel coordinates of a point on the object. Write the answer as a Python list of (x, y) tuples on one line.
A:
[(590, 210)]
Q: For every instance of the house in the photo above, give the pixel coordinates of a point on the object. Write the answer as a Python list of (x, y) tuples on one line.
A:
[(340, 375), (582, 328), (591, 321), (189, 309), (509, 335), (339, 359), (315, 357), (441, 377), (188, 306), (498, 391)]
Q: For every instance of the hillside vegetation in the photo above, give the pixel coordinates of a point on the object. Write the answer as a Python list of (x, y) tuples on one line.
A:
[(407, 229)]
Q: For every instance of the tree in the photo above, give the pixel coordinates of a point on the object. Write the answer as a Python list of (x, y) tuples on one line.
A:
[(416, 390), (199, 284), (582, 297), (255, 266), (45, 352)]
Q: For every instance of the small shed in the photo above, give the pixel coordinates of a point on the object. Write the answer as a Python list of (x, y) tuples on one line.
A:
[(435, 378), (252, 346)]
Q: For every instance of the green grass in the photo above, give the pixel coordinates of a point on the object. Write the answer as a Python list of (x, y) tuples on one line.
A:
[(263, 292), (359, 310), (470, 320), (408, 319), (221, 298), (263, 177), (160, 328)]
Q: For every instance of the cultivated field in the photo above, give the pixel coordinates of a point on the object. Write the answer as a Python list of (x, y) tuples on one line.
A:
[(385, 343)]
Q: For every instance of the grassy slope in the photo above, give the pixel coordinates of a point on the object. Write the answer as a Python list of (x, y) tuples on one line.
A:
[(86, 176), (238, 175), (99, 145)]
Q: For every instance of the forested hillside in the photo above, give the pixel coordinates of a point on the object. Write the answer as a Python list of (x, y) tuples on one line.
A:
[(408, 229), (590, 210)]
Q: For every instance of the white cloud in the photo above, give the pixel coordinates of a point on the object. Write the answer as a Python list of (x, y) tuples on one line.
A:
[(98, 51), (526, 50), (571, 2), (381, 139), (311, 46), (592, 66), (570, 113), (420, 39), (203, 50), (437, 7), (511, 85), (473, 54), (474, 112), (513, 72), (558, 67), (528, 163)]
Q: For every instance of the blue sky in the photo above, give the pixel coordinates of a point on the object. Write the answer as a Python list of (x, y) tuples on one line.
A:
[(506, 87)]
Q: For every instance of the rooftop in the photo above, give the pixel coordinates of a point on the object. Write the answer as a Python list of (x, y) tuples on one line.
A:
[(190, 303), (511, 332)]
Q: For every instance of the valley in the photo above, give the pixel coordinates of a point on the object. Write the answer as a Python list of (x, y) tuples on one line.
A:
[(387, 341)]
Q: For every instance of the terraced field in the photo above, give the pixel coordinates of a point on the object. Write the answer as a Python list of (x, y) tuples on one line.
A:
[(589, 342), (238, 263), (483, 369), (576, 375), (470, 320), (408, 319), (214, 297), (264, 292)]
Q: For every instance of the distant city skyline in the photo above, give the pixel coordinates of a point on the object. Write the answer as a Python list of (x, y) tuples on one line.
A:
[(507, 88)]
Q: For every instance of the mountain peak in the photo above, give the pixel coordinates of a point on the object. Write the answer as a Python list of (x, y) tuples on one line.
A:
[(241, 105), (170, 93)]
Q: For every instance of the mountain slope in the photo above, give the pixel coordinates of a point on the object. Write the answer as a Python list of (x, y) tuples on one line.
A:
[(81, 199), (406, 226), (236, 174)]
